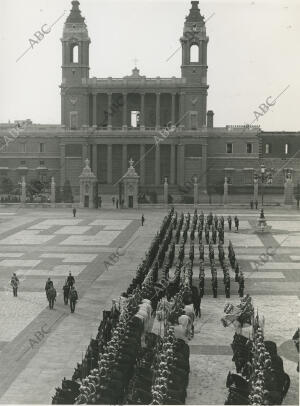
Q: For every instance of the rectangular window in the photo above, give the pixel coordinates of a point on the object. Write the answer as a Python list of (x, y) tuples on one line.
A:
[(23, 163), (73, 120), (249, 148), (135, 119), (42, 147), (229, 148), (42, 163)]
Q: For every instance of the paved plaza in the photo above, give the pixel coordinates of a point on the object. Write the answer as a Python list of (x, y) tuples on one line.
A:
[(38, 346)]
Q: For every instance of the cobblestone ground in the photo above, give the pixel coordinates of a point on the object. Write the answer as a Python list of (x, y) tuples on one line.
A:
[(38, 346)]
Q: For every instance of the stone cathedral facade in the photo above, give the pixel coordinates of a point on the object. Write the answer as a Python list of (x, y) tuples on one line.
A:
[(161, 123)]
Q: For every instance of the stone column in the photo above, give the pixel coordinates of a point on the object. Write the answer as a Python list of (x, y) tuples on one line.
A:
[(109, 122), (204, 167), (195, 192), (125, 114), (23, 191), (180, 165), (142, 164), (157, 117), (172, 164), (109, 164), (124, 159), (94, 109), (173, 109), (255, 190), (181, 121), (95, 159), (62, 166), (52, 195), (142, 113), (157, 165), (225, 197), (166, 192)]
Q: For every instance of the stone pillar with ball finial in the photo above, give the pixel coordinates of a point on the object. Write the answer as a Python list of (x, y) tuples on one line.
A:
[(225, 197), (52, 194), (196, 193), (23, 190)]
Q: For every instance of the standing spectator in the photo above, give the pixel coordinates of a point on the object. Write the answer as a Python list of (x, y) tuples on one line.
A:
[(256, 204), (117, 203), (143, 219), (73, 296), (74, 212), (236, 222), (229, 219), (113, 200), (100, 202), (251, 204), (14, 284)]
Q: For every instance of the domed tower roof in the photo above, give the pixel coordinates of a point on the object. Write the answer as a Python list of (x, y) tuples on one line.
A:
[(75, 14), (194, 15)]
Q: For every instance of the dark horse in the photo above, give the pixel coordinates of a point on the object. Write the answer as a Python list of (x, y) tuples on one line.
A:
[(239, 390)]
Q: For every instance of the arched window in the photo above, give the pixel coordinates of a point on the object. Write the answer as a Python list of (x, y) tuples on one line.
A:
[(267, 148), (74, 53), (194, 53), (286, 149)]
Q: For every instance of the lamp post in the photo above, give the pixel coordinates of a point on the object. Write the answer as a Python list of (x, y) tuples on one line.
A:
[(265, 177)]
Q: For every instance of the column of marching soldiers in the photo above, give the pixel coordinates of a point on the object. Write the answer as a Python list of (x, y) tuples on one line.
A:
[(127, 362)]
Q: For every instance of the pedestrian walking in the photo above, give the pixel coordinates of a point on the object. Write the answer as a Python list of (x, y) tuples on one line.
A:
[(143, 219), (113, 200), (73, 296), (66, 289), (14, 284), (51, 295), (74, 212), (70, 280), (256, 204), (117, 203), (251, 204)]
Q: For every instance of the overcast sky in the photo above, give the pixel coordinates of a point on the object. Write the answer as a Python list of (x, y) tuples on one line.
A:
[(253, 53)]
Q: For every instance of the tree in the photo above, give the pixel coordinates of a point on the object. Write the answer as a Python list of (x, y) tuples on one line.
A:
[(7, 185), (67, 192)]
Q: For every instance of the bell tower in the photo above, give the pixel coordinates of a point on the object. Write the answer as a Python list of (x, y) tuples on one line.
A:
[(75, 68), (194, 62)]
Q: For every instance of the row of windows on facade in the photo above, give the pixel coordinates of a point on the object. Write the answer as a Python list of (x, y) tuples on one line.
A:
[(194, 53), (249, 148), (229, 148), (23, 163), (268, 149), (40, 149)]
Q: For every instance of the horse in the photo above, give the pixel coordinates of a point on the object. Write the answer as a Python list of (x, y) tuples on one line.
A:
[(51, 295)]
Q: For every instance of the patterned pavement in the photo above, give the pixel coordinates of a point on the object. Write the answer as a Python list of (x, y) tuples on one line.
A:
[(38, 347)]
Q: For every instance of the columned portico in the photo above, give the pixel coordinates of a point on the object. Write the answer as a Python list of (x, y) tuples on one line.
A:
[(109, 123), (124, 158), (125, 113)]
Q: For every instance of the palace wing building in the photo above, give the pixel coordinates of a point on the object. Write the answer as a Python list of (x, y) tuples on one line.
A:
[(161, 123)]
